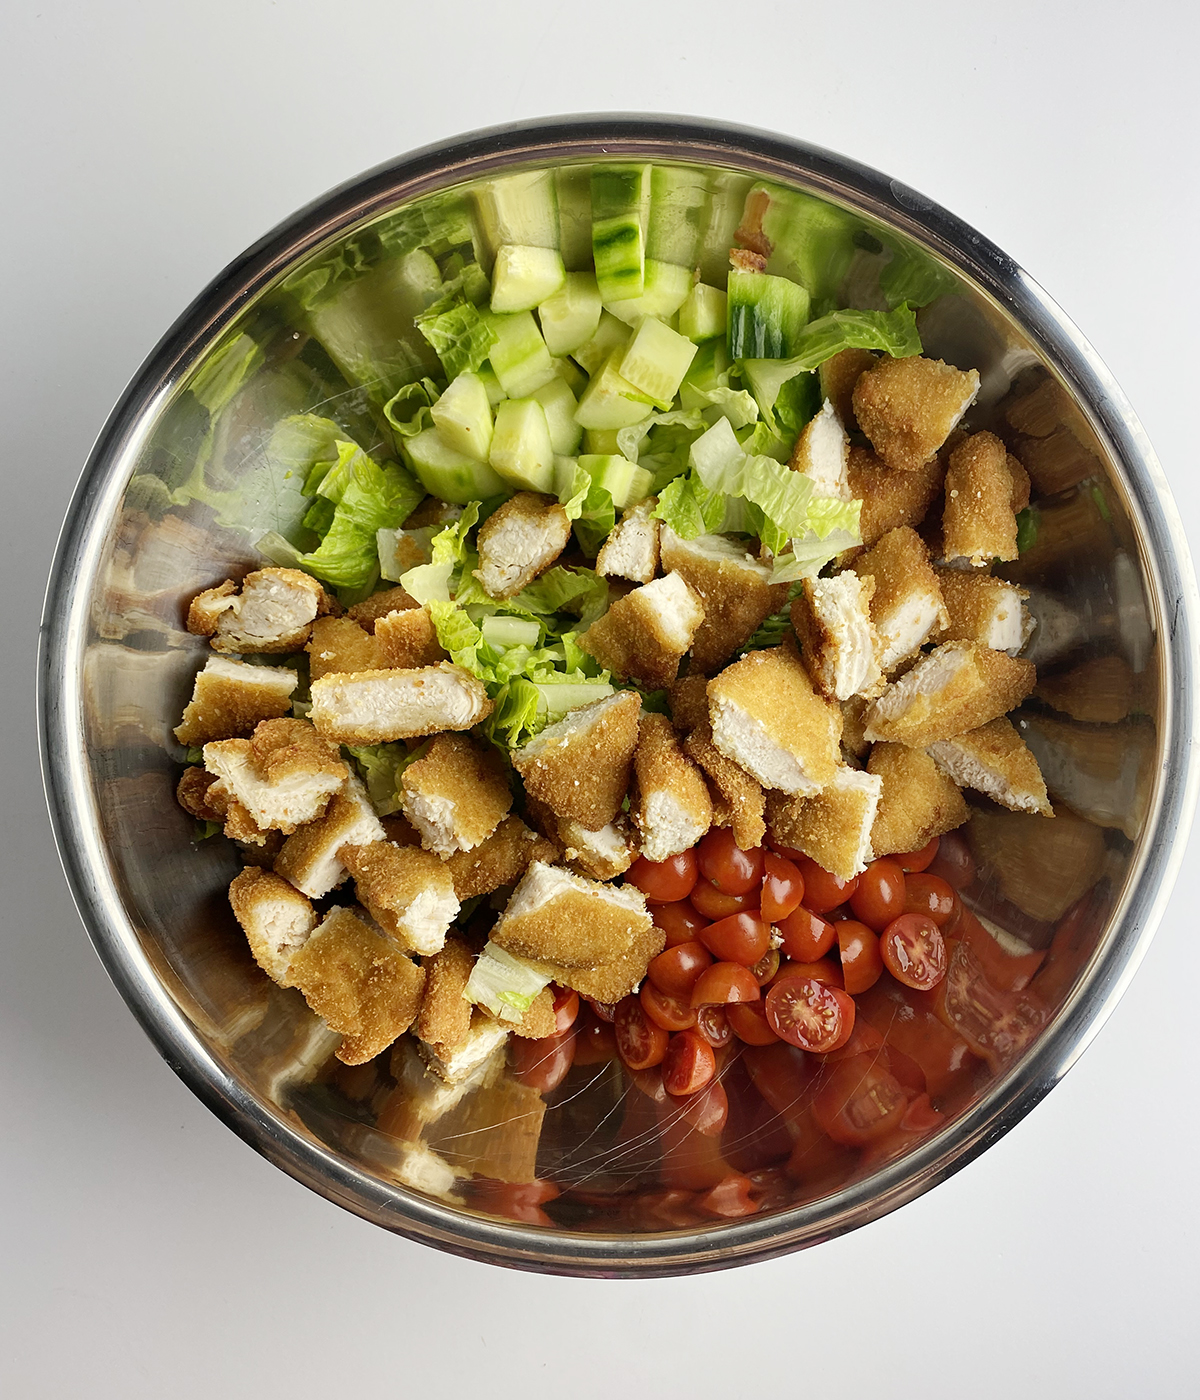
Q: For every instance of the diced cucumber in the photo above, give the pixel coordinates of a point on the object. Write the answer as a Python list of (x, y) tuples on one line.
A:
[(703, 315), (610, 335), (704, 373), (625, 482), (419, 272), (560, 699), (726, 202), (452, 475), (678, 213), (601, 442), (463, 416), (524, 276), (571, 375), (569, 318), (564, 477), (665, 290), (610, 401), (656, 360), (519, 357), (488, 378), (559, 404), (766, 315), (620, 206), (520, 209), (503, 632), (522, 452), (573, 185)]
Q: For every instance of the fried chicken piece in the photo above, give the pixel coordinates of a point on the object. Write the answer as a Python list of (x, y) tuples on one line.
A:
[(310, 857), (273, 611), (890, 499), (994, 760), (767, 717), (474, 1061), (499, 860), (340, 644), (906, 605), (984, 609), (957, 687), (230, 697), (389, 600), (832, 620), (833, 827), (742, 798), (192, 795), (519, 541), (646, 634), (408, 640), (457, 795), (687, 699), (631, 550), (854, 741), (839, 374), (407, 891), (276, 919), (359, 983), (445, 1014), (671, 807), (602, 854), (822, 453), (539, 1020), (1041, 866), (556, 917), (609, 982), (580, 766), (375, 707), (282, 777), (978, 521), (909, 407), (918, 801), (1101, 691), (1022, 486)]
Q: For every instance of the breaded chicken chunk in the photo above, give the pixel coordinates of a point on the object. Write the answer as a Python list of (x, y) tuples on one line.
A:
[(580, 766), (890, 499), (839, 374), (389, 600), (445, 1014), (457, 795), (909, 407), (978, 521), (192, 794), (918, 801), (1058, 462), (359, 983), (994, 760), (832, 620), (310, 859), (957, 687), (609, 982), (407, 891), (822, 453), (230, 697), (1022, 486), (276, 919), (766, 716), (273, 611), (519, 541), (854, 741), (554, 916), (631, 550), (499, 860), (375, 707), (671, 807), (984, 609), (734, 590), (833, 827), (539, 1020), (408, 639), (906, 605), (283, 776), (645, 634), (602, 854), (687, 699), (474, 1060), (742, 798), (341, 644)]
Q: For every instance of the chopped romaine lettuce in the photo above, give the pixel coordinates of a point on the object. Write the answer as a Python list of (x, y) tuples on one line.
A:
[(380, 767), (431, 582), (503, 984)]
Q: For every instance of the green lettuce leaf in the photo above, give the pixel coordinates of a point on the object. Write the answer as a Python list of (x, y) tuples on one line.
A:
[(430, 582), (912, 276), (408, 409), (589, 506), (380, 767)]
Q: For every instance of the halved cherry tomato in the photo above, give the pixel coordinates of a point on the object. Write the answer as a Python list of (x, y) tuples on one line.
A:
[(912, 861), (675, 970), (809, 1014), (914, 950), (724, 982), (1075, 940), (806, 936), (641, 1043), (649, 1081), (929, 895), (823, 891), (606, 1010), (783, 887), (859, 1102), (595, 1042), (954, 862), (712, 903), (879, 897), (712, 1024), (566, 1007), (679, 921), (691, 1161), (689, 1064), (664, 1210), (909, 1074), (749, 1022), (861, 960), (824, 970), (707, 1109), (729, 1199), (766, 967), (671, 1013), (741, 938), (542, 1064), (724, 864), (664, 881)]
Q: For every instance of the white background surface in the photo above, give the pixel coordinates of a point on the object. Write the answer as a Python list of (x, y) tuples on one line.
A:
[(148, 1252)]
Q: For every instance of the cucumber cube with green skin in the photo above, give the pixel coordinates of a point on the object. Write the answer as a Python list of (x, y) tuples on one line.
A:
[(494, 392), (620, 207), (601, 442), (522, 452), (626, 483), (452, 475), (502, 632), (571, 375), (766, 315), (569, 318), (519, 357), (666, 289), (656, 360), (520, 209), (524, 276), (703, 315), (611, 335), (463, 416), (559, 404), (610, 400)]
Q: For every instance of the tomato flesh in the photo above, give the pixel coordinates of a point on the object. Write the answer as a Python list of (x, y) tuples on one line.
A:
[(729, 1199), (676, 969), (725, 865), (912, 861), (748, 1020), (689, 1064), (707, 1110), (954, 862), (879, 897), (679, 921), (566, 1007), (823, 891), (859, 1102), (914, 951), (712, 1025), (641, 1043), (664, 881), (542, 1064), (808, 1014), (671, 1013), (929, 895), (712, 903), (806, 935), (862, 964)]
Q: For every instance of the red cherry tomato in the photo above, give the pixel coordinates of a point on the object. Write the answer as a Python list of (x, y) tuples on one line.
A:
[(542, 1064), (783, 887), (641, 1043), (712, 1024), (725, 982), (671, 1013), (675, 970), (859, 1102), (729, 1199), (911, 861), (748, 1020), (809, 1014), (741, 938), (707, 1110), (566, 1007), (595, 1042), (766, 967), (914, 950), (689, 1064), (954, 862), (823, 891), (1009, 972), (649, 1081), (664, 881), (712, 903), (879, 897), (679, 921), (825, 970), (929, 895), (996, 1024), (806, 936), (724, 864), (606, 1010), (861, 960)]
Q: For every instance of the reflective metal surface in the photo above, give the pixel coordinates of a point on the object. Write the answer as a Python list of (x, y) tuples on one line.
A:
[(1111, 586)]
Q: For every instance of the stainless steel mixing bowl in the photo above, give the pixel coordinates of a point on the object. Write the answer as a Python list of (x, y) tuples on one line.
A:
[(1109, 576)]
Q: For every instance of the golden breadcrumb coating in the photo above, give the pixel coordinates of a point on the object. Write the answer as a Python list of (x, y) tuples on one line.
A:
[(407, 891), (854, 713), (341, 644), (980, 608), (240, 826), (1104, 690), (519, 541), (309, 858), (457, 795), (206, 608), (1022, 487), (600, 854), (291, 748), (539, 1020), (230, 697), (408, 639), (687, 699), (272, 611), (742, 798), (957, 687), (1041, 866), (370, 610), (283, 776), (839, 374), (671, 807), (890, 499), (580, 766), (375, 707), (554, 916), (445, 1014), (908, 408), (645, 634), (499, 860), (918, 801), (275, 918), (609, 982), (906, 604), (978, 521), (261, 853), (192, 795), (359, 983), (995, 761), (833, 827)]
